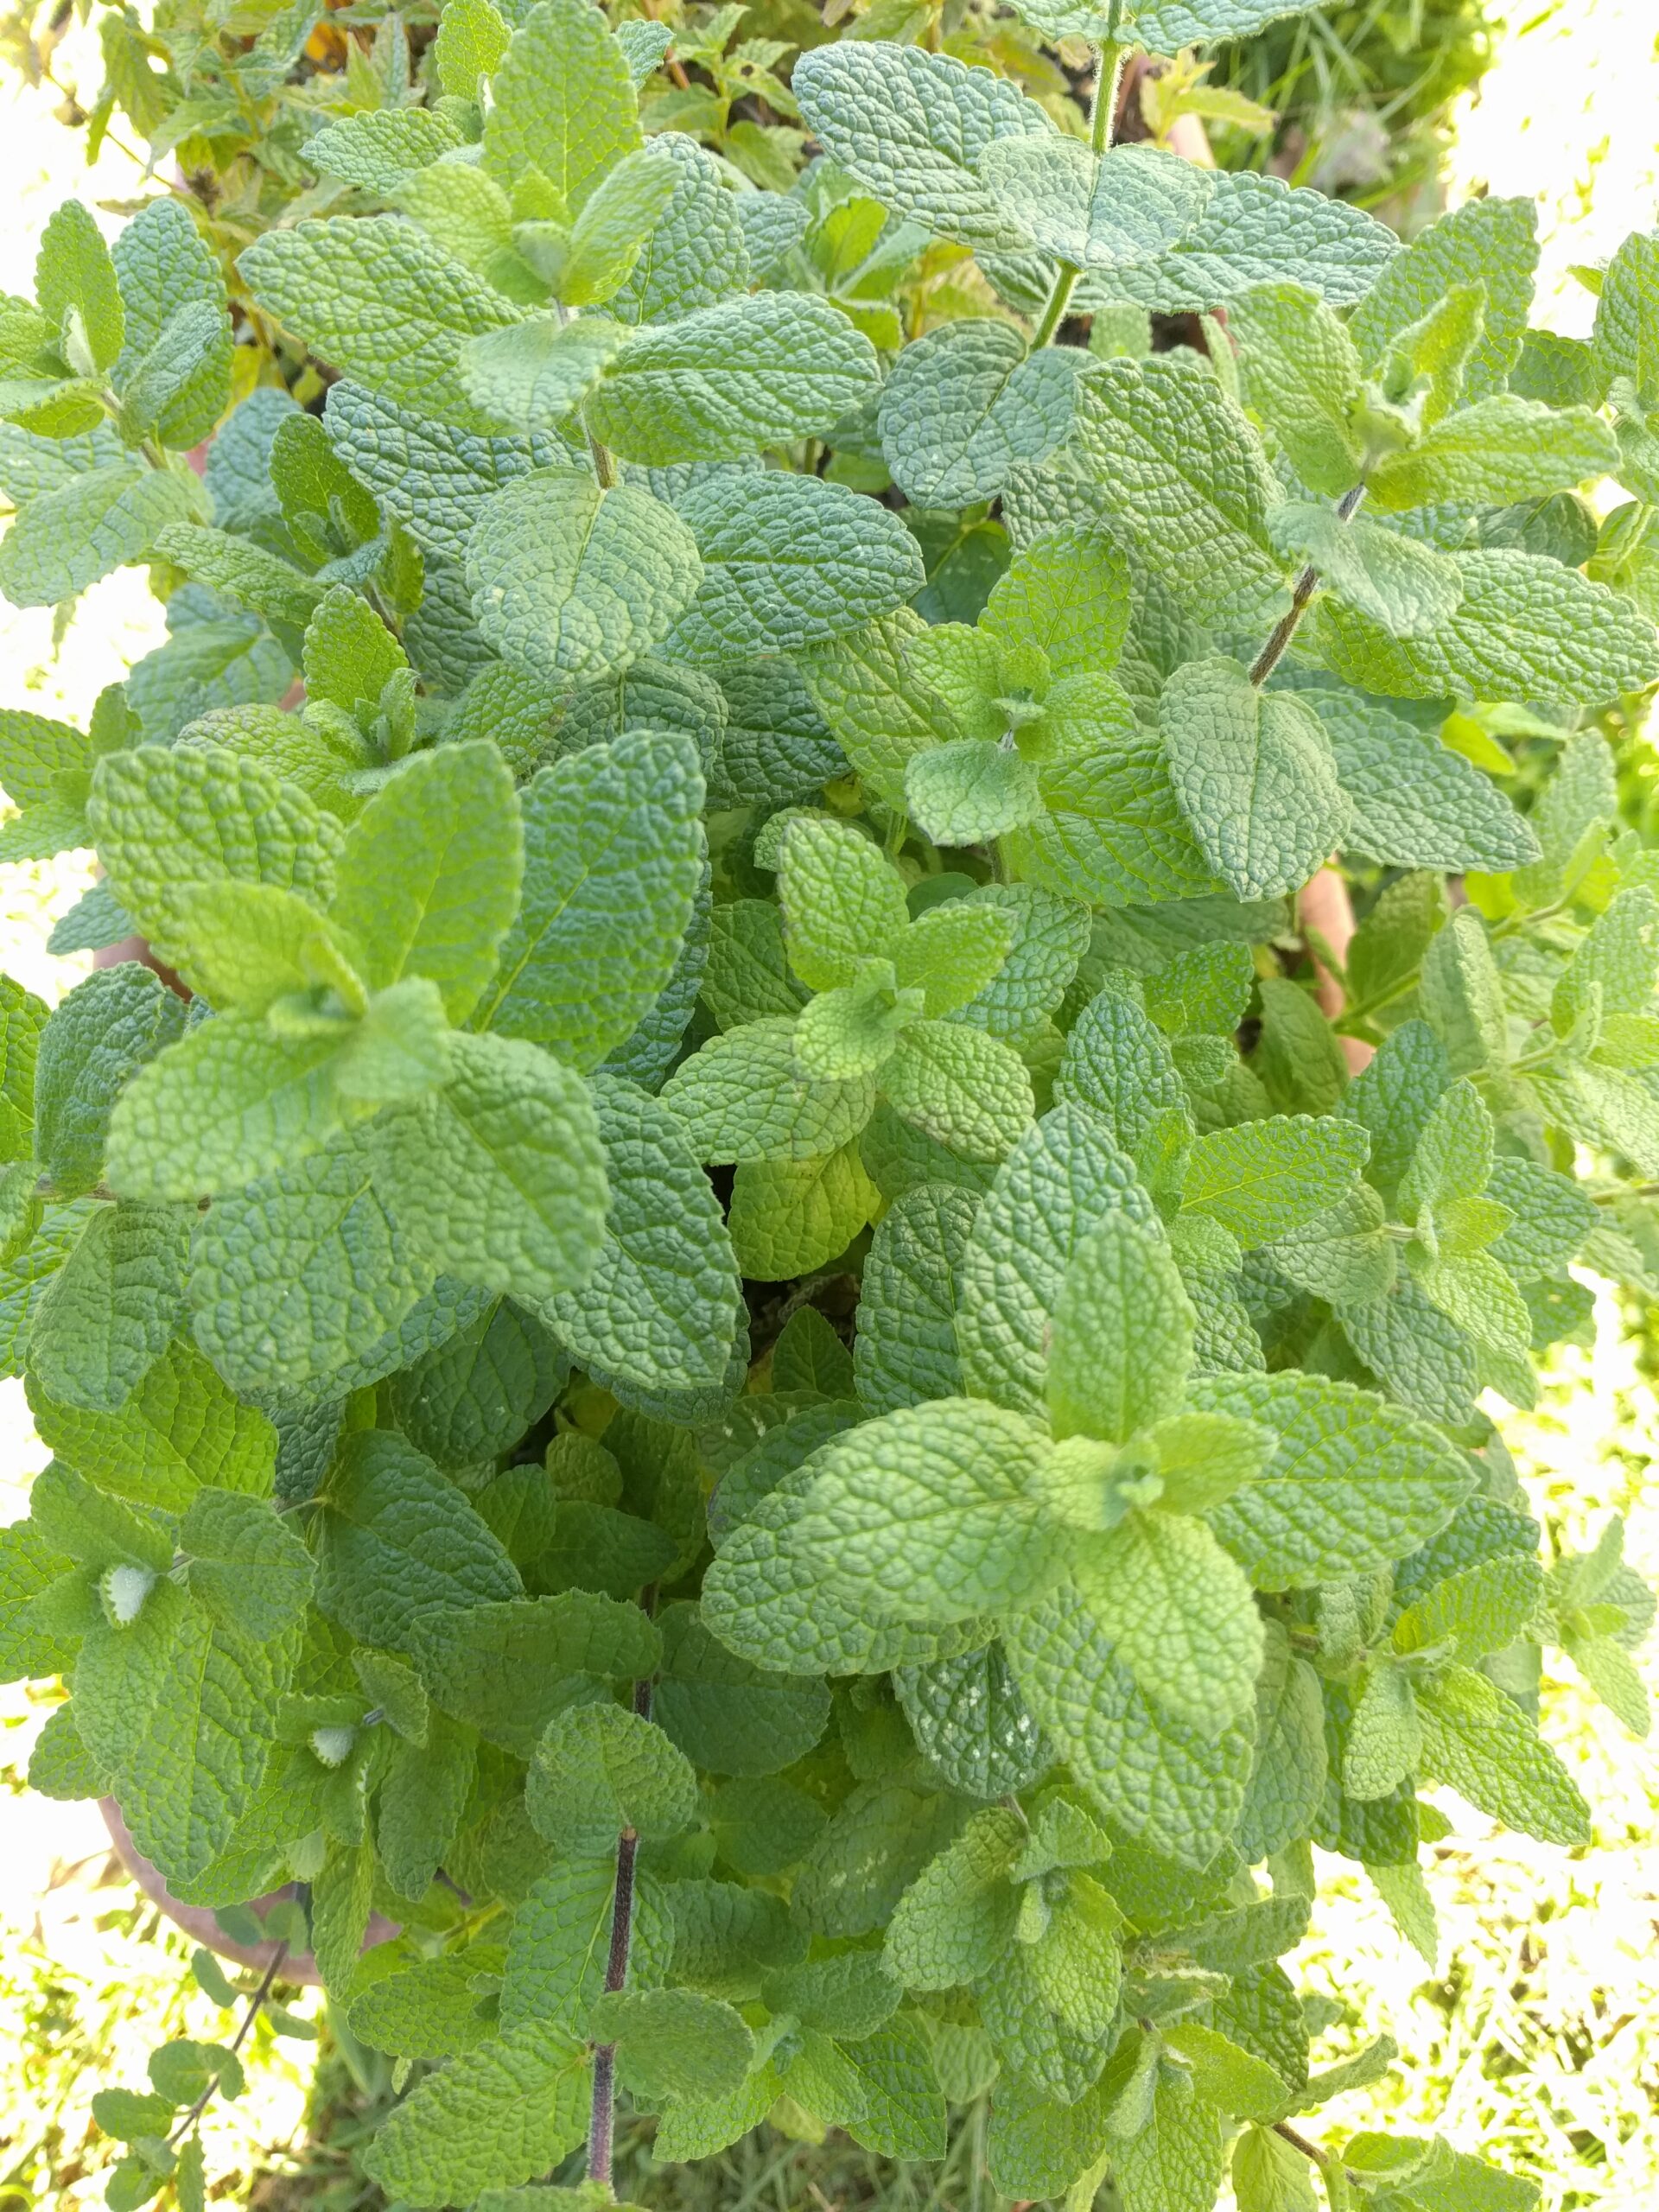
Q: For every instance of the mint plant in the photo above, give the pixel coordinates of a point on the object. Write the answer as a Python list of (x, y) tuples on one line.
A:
[(723, 1325)]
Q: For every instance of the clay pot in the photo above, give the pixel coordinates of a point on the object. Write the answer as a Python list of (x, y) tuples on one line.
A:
[(199, 1923)]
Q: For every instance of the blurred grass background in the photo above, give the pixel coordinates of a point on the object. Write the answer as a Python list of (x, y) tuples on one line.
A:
[(1535, 2039)]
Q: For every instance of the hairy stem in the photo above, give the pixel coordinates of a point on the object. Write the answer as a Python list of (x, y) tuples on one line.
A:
[(1306, 584), (601, 2125), (1103, 116), (1054, 307)]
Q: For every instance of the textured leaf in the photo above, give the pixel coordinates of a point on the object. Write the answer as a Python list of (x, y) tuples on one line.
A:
[(911, 127), (1254, 775), (742, 1097), (966, 402), (733, 379), (100, 520), (1262, 1179), (569, 580), (1416, 804), (598, 1771), (1474, 1739), (612, 860), (661, 1305), (377, 301), (1121, 1339), (499, 1177), (491, 2117), (1182, 472), (181, 1427), (110, 1309), (906, 1349), (1181, 1788), (564, 102), (937, 1506), (1355, 1482), (788, 560), (1491, 242), (1525, 629)]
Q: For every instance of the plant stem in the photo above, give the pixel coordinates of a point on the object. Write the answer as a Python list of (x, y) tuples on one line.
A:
[(601, 2126), (1103, 116), (1306, 584), (1054, 308), (267, 1981)]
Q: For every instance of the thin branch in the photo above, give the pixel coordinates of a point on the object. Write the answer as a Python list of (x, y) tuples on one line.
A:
[(1306, 584), (1054, 306), (601, 2126), (1103, 116), (267, 1981)]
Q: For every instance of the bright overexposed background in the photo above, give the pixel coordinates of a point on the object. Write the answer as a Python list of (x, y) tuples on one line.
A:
[(1536, 2038)]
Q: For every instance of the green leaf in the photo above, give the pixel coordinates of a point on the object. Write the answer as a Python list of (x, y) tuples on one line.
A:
[(246, 1567), (1497, 451), (965, 1088), (569, 580), (674, 2042), (1121, 1340), (425, 2011), (75, 276), (614, 223), (428, 879), (1405, 587), (967, 793), (509, 1665), (170, 821), (661, 1305), (1095, 210), (733, 379), (377, 149), (374, 297), (499, 1177), (971, 1723), (1416, 803), (1627, 328), (1482, 1610), (727, 1716), (1181, 1788), (1490, 242), (227, 1104), (100, 520), (1262, 1179), (559, 1948), (1301, 374), (110, 1309), (168, 271), (1474, 1739), (789, 561), (1526, 628), (1061, 1179), (150, 1701), (1254, 775), (613, 858), (532, 376), (957, 1919), (1184, 474), (472, 39), (843, 902), (911, 126), (742, 1097), (491, 2117), (905, 1351), (879, 713), (937, 1506), (563, 103), (293, 1276), (99, 1036), (599, 1770), (1355, 1483), (181, 1427), (1183, 1621), (966, 402), (790, 1217)]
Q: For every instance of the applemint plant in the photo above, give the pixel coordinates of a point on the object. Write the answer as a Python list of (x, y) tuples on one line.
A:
[(727, 1328)]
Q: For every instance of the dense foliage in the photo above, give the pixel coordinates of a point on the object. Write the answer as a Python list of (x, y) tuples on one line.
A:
[(766, 1341)]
